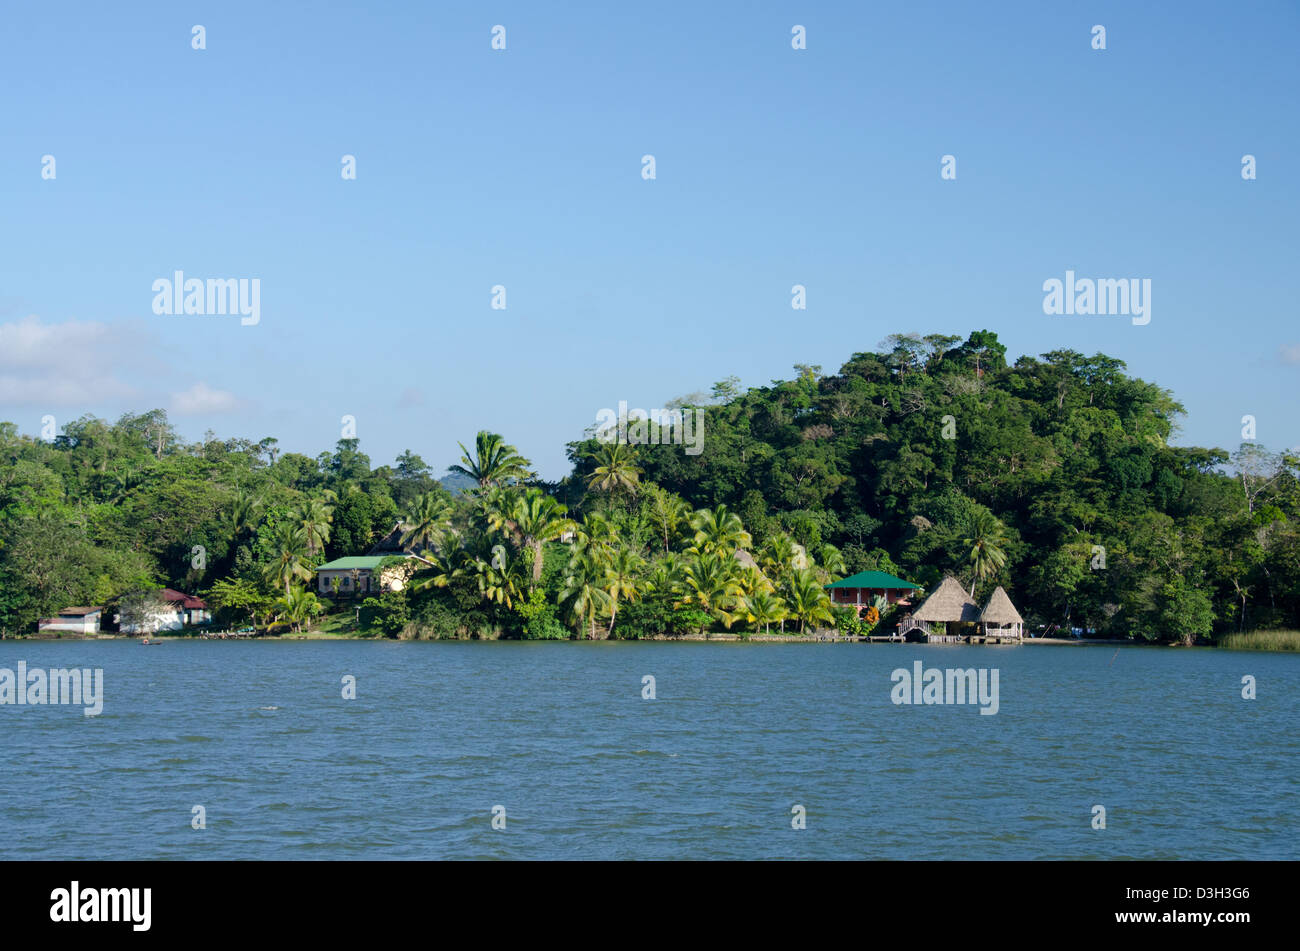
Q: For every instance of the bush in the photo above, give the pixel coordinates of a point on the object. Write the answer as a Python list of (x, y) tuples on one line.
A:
[(539, 620), (846, 621), (655, 616), (434, 619), (389, 613)]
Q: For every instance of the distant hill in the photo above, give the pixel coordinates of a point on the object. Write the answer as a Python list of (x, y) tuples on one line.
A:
[(457, 482)]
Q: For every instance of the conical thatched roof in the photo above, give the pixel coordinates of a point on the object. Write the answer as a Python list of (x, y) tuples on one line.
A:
[(948, 603), (1000, 610)]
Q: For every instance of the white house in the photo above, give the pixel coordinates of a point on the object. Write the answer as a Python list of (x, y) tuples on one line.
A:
[(182, 611), (74, 620)]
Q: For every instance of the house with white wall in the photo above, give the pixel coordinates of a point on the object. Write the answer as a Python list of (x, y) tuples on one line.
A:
[(182, 611), (73, 621)]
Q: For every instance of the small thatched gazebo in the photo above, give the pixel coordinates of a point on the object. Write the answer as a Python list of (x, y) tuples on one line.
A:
[(1000, 617), (949, 605)]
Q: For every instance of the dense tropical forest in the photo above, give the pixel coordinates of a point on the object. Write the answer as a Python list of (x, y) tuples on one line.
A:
[(1053, 477)]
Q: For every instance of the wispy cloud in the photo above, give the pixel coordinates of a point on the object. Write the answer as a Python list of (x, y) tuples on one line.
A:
[(1289, 353), (201, 400), (61, 364)]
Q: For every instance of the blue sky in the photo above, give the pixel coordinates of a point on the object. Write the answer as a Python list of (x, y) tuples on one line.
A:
[(522, 168)]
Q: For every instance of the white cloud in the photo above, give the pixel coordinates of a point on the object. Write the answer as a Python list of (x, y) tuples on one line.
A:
[(69, 364), (1290, 353), (201, 399), (31, 344)]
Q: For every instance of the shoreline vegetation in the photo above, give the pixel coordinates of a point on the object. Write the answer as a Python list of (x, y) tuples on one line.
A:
[(1253, 640), (931, 457)]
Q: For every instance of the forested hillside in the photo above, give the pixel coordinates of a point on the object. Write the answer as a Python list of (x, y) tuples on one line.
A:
[(1053, 477)]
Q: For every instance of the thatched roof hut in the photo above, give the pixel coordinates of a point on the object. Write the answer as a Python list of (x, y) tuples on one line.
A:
[(949, 603), (1000, 610), (1000, 615)]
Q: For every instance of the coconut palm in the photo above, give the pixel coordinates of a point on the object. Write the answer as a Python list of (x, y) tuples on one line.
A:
[(245, 514), (496, 576), (709, 582), (314, 517), (782, 554), (447, 565), (598, 532), (807, 599), (830, 560), (666, 511), (621, 570), (986, 539), (289, 545), (583, 591), (664, 576), (762, 607), (752, 580), (615, 470), (538, 519), (495, 462), (719, 530), (427, 521), (298, 607)]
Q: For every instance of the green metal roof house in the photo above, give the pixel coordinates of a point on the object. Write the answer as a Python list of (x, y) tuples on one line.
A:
[(864, 587), (358, 574)]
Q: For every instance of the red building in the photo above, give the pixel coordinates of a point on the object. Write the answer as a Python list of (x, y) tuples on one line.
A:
[(863, 588)]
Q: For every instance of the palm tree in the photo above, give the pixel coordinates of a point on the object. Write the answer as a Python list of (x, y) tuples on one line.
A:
[(496, 578), (986, 539), (495, 461), (664, 576), (666, 511), (719, 530), (245, 513), (447, 566), (752, 580), (709, 581), (830, 559), (621, 571), (289, 543), (314, 518), (427, 520), (598, 532), (780, 554), (807, 598), (298, 606), (615, 470), (762, 607), (582, 588), (538, 519)]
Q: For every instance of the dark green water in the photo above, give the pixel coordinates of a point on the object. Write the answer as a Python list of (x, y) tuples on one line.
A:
[(558, 734)]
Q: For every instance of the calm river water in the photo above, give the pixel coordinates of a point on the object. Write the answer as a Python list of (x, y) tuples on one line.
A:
[(738, 735)]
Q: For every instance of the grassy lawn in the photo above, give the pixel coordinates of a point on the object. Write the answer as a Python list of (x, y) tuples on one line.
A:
[(331, 627)]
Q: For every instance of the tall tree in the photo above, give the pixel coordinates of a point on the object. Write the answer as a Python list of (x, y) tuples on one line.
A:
[(495, 462)]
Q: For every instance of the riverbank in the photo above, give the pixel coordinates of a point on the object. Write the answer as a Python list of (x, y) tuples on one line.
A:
[(1268, 641)]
